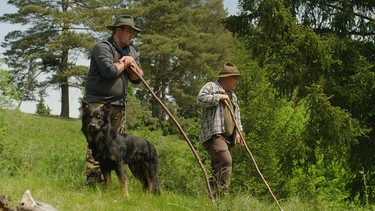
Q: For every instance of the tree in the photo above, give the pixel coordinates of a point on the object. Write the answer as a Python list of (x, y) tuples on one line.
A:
[(58, 34), (8, 93), (42, 109), (319, 55), (182, 43)]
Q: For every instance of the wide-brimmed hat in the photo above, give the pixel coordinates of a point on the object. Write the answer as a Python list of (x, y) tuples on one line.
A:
[(229, 69), (124, 20)]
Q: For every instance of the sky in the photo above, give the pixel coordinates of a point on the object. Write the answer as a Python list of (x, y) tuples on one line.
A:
[(53, 99)]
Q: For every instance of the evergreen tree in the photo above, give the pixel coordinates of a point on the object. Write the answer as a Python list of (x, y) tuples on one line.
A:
[(320, 56), (57, 34), (182, 44), (42, 109)]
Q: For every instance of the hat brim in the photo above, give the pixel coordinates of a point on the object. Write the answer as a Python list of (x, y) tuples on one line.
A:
[(135, 28), (227, 75)]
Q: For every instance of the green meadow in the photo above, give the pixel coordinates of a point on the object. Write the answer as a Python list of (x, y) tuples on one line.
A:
[(47, 156)]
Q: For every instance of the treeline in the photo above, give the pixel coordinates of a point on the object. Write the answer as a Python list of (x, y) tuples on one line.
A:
[(306, 95), (317, 59)]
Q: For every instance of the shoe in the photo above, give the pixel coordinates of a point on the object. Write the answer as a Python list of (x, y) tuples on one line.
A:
[(94, 177)]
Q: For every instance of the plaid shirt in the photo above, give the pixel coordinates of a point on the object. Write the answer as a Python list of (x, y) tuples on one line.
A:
[(212, 122)]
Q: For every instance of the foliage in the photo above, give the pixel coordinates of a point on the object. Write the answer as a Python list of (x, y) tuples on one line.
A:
[(181, 43), (49, 159), (42, 109), (343, 18), (306, 96), (137, 118), (4, 126), (58, 33), (317, 56), (265, 125), (177, 65), (343, 130), (176, 159), (8, 93)]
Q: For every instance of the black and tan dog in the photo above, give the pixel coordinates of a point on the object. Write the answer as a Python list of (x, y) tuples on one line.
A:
[(113, 150)]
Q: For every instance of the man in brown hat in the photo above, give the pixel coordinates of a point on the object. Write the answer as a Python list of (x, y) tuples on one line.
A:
[(107, 81), (217, 133)]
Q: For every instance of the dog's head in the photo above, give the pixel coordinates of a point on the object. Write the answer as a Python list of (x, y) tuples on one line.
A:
[(95, 120)]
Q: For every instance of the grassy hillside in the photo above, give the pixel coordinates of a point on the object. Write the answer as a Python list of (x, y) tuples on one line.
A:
[(47, 156)]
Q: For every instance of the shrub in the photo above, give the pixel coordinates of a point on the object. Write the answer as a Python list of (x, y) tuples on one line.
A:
[(42, 109)]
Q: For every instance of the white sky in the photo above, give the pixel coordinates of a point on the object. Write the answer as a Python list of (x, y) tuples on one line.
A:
[(53, 100)]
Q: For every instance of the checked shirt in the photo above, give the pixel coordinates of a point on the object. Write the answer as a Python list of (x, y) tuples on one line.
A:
[(212, 122)]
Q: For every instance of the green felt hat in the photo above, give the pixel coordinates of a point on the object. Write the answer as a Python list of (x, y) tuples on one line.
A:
[(124, 20)]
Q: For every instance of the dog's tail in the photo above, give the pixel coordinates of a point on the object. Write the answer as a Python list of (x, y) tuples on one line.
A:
[(154, 170), (147, 170)]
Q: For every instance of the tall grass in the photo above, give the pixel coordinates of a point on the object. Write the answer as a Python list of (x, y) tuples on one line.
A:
[(47, 156)]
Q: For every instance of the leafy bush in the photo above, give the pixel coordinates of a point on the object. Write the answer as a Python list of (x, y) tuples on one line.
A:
[(8, 93)]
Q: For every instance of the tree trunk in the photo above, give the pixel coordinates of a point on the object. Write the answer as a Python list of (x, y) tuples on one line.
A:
[(64, 83), (64, 100)]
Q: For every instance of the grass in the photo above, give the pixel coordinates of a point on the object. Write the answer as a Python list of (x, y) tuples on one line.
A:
[(47, 156)]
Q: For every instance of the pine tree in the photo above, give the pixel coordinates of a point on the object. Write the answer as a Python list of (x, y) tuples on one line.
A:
[(57, 34), (182, 43)]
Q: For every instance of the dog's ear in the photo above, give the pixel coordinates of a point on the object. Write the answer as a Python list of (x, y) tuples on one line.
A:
[(85, 105), (107, 107)]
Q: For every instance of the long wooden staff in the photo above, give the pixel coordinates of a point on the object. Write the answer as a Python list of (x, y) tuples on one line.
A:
[(251, 155), (181, 130)]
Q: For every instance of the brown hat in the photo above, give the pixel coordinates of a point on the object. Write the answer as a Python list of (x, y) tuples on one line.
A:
[(124, 20), (229, 69)]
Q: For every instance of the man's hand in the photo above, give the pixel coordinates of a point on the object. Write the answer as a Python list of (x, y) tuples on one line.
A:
[(127, 60), (128, 63), (224, 97), (239, 140), (134, 67), (124, 63)]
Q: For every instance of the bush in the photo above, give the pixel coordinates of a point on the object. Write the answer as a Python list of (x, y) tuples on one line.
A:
[(42, 109)]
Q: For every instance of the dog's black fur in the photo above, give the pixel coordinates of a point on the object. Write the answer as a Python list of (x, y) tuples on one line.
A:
[(113, 150)]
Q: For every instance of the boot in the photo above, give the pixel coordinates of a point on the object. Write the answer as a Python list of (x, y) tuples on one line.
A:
[(93, 173)]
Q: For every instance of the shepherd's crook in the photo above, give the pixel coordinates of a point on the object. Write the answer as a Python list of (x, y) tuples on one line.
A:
[(181, 130), (251, 155)]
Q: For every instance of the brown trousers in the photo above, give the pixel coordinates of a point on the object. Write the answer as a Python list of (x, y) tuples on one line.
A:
[(219, 149), (116, 118)]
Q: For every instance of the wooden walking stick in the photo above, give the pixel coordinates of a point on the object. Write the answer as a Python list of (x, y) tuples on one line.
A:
[(251, 155), (181, 130)]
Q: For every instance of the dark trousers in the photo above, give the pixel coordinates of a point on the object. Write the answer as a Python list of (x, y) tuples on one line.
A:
[(219, 149)]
